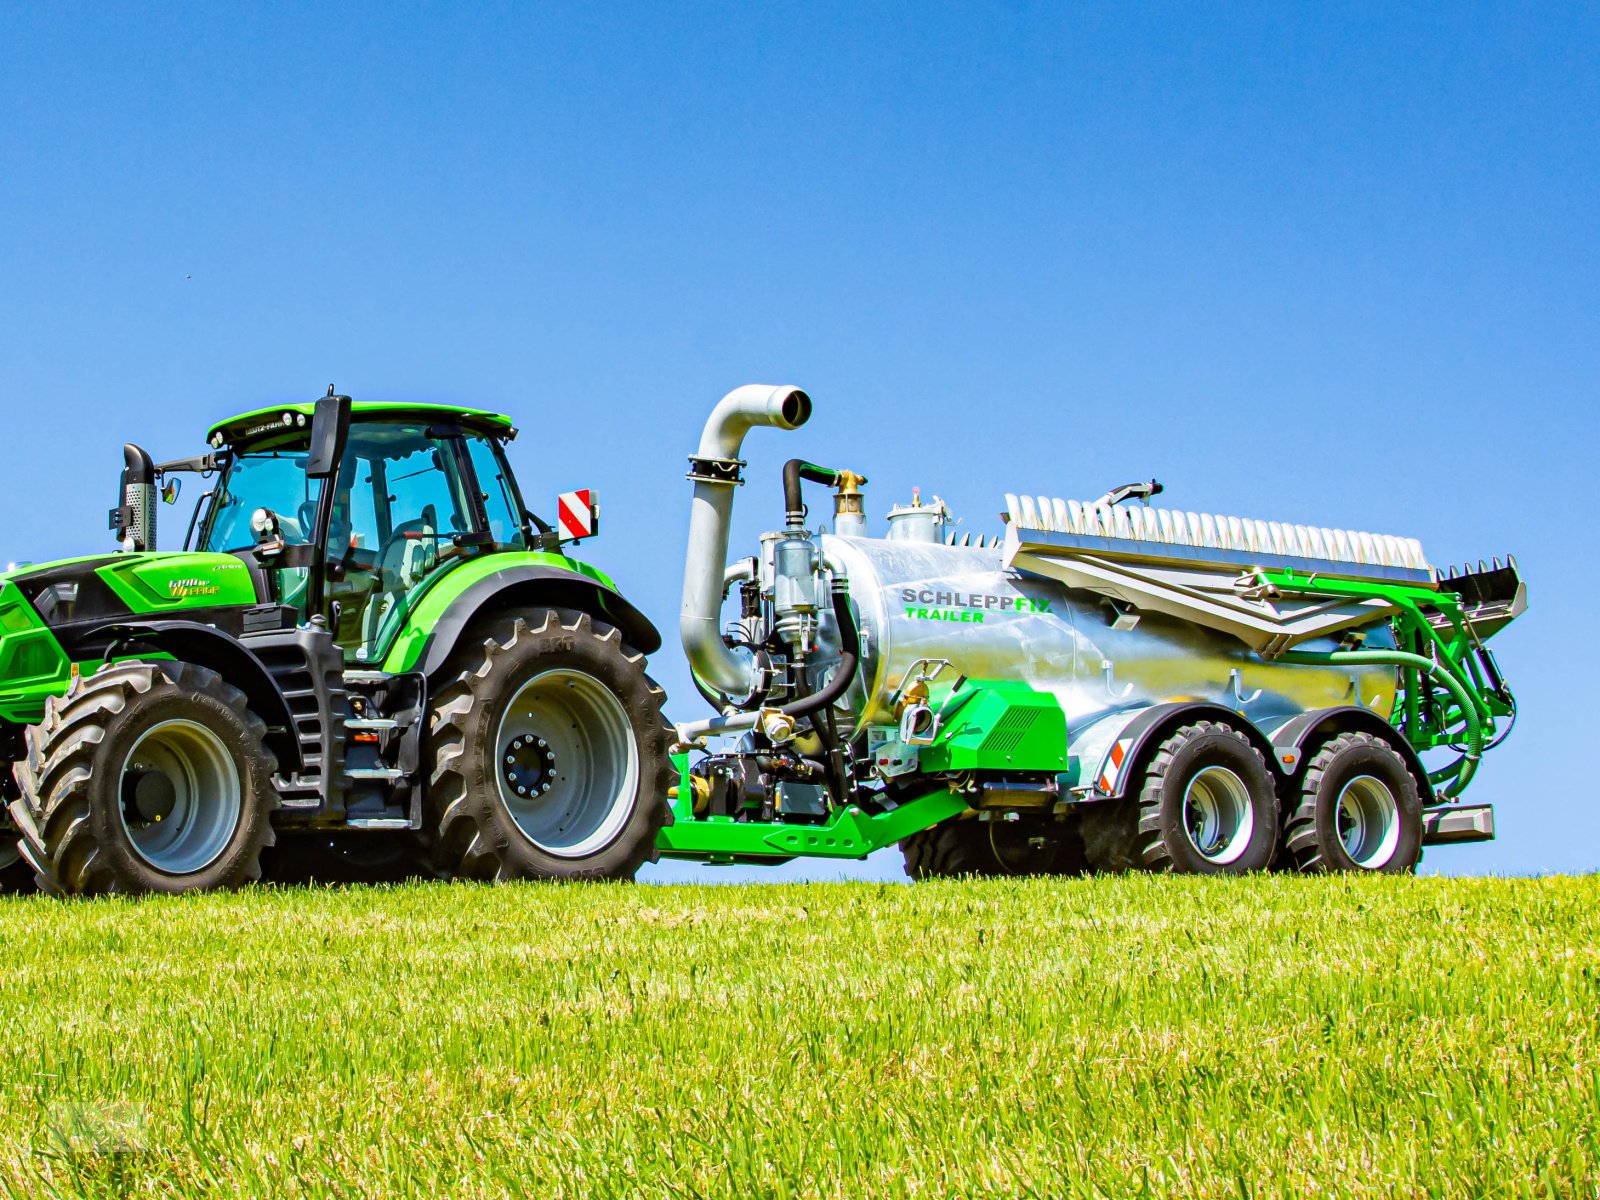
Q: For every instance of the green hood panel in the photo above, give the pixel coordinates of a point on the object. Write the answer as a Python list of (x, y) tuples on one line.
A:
[(156, 582), (159, 583)]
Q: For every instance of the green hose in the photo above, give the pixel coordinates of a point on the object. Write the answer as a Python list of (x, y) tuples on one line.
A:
[(1399, 658)]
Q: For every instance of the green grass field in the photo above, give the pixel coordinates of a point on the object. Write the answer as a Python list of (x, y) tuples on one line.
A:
[(1114, 1036)]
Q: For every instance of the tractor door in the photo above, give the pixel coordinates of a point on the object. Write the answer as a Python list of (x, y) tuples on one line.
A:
[(403, 512)]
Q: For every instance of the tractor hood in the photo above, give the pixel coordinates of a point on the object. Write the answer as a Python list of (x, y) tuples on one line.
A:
[(49, 612), (79, 591)]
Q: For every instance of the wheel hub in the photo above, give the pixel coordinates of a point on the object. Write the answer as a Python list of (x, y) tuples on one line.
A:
[(528, 766), (147, 796), (1217, 815)]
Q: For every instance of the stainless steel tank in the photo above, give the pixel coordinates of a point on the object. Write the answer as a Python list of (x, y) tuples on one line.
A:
[(918, 600)]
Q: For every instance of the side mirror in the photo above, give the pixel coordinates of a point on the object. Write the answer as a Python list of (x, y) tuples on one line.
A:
[(330, 430), (171, 490), (577, 515)]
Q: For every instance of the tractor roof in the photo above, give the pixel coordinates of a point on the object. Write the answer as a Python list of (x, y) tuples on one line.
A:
[(285, 418)]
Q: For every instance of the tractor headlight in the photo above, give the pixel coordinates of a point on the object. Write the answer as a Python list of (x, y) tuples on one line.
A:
[(264, 523)]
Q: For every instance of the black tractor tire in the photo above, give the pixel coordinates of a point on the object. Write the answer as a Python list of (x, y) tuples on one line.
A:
[(965, 848), (16, 874), (505, 686), (1358, 809), (332, 858), (89, 796), (1207, 775)]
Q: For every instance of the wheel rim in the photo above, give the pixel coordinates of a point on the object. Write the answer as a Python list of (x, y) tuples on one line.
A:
[(567, 764), (1369, 821), (1217, 815), (182, 799)]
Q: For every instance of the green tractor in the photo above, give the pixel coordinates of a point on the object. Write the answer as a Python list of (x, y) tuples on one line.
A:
[(368, 652)]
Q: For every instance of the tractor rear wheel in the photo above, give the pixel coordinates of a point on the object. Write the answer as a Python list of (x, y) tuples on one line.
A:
[(1208, 805), (956, 848), (1358, 809), (148, 777), (549, 753)]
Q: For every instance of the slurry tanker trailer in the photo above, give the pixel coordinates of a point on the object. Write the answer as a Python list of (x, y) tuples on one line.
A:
[(1103, 685), (369, 659)]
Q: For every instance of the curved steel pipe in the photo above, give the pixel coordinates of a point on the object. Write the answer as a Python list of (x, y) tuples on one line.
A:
[(713, 661)]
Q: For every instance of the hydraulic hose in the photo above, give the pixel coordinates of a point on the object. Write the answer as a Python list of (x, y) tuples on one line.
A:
[(794, 471), (1400, 658), (849, 659)]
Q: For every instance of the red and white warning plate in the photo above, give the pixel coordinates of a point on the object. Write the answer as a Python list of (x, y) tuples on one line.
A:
[(576, 514)]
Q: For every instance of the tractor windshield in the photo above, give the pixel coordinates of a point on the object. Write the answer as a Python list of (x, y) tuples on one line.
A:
[(272, 481)]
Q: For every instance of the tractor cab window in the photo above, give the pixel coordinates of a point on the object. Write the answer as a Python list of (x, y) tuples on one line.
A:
[(402, 509), (501, 503), (276, 482)]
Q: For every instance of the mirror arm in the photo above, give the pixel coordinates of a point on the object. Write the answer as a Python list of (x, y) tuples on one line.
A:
[(200, 464)]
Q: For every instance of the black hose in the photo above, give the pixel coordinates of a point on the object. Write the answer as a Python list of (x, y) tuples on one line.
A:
[(794, 471), (849, 659)]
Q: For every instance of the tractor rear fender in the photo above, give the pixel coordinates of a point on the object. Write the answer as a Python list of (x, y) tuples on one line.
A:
[(1290, 740), (211, 648), (516, 588), (1118, 745)]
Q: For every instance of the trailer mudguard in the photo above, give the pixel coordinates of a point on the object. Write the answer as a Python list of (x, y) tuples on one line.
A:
[(1120, 743), (434, 628), (1290, 739)]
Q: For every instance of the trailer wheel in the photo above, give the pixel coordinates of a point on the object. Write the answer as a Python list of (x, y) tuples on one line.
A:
[(1208, 805), (1358, 809), (149, 777), (956, 848), (549, 753)]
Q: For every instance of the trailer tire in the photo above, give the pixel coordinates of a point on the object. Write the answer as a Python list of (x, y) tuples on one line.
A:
[(1208, 805), (193, 815), (967, 848), (545, 701), (1358, 809)]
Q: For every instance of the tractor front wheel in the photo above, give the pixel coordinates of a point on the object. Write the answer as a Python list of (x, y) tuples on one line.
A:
[(16, 875), (148, 777), (549, 753)]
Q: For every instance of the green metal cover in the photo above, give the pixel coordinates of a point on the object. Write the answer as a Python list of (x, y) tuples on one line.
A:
[(288, 418), (404, 653), (998, 725)]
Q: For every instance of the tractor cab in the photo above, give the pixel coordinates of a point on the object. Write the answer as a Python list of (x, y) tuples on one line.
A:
[(350, 511)]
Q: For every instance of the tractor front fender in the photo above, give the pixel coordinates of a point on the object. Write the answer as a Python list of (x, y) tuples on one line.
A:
[(209, 647), (429, 639)]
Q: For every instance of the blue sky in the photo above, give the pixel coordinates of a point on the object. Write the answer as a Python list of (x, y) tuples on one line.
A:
[(1334, 264)]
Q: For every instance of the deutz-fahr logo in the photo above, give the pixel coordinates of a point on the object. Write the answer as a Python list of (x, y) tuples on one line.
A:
[(182, 588)]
